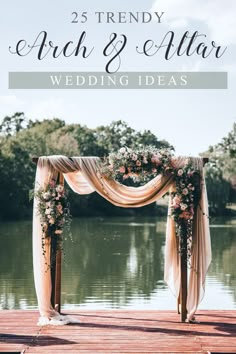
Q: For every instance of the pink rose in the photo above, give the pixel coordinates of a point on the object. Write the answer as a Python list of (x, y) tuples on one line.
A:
[(176, 200), (185, 215), (174, 162), (138, 163), (155, 159), (122, 169), (180, 172), (185, 191)]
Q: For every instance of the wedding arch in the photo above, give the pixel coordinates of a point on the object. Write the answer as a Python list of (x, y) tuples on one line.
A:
[(84, 175)]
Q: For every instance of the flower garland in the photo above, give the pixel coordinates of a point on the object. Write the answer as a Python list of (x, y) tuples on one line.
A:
[(54, 211), (184, 201), (140, 165), (144, 164)]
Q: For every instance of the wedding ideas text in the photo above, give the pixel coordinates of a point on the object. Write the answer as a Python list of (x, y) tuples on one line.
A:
[(131, 80), (170, 46)]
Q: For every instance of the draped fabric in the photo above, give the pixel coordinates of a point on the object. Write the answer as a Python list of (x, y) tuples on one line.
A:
[(84, 176)]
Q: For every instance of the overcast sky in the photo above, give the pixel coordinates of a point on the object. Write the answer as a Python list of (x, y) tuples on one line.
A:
[(191, 120)]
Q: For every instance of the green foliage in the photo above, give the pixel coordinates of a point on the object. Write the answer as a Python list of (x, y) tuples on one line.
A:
[(21, 139), (218, 190), (113, 137), (221, 173), (12, 125)]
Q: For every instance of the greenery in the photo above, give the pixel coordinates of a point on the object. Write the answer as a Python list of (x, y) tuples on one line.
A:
[(21, 139), (221, 174), (137, 166), (54, 211)]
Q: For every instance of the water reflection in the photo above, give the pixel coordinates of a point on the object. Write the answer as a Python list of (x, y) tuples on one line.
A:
[(221, 279), (113, 260), (16, 274), (113, 263)]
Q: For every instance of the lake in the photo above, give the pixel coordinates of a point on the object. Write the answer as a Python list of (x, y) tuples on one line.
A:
[(114, 263)]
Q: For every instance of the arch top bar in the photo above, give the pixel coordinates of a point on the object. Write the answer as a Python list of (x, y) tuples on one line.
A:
[(204, 160)]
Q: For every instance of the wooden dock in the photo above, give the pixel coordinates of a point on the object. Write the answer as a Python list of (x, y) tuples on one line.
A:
[(119, 331)]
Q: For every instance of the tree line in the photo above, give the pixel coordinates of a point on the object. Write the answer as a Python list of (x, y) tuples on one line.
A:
[(221, 175), (21, 139)]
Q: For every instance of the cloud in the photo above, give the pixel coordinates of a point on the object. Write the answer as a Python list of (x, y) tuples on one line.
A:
[(50, 108), (10, 100), (219, 16)]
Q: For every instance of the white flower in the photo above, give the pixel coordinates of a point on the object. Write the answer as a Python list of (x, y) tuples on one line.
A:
[(59, 188), (48, 211), (46, 195), (186, 162), (122, 150), (134, 157), (145, 160), (180, 172), (185, 191), (183, 206)]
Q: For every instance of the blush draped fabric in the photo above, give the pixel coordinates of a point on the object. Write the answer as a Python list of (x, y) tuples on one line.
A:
[(84, 176)]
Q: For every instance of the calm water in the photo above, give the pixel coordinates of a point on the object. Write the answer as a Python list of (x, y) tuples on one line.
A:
[(114, 263)]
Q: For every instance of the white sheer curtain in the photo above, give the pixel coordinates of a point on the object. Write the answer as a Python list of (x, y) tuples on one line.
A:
[(84, 176)]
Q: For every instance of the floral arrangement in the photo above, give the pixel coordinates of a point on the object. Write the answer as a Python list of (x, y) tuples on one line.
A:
[(140, 165), (54, 211), (144, 164), (185, 199)]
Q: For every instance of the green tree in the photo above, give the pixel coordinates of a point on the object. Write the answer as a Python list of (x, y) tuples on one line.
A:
[(119, 133), (218, 190), (21, 139), (221, 173)]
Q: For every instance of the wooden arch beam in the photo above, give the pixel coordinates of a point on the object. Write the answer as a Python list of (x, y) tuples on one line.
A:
[(204, 160)]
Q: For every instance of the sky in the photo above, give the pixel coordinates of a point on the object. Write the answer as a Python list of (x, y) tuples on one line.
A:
[(191, 120)]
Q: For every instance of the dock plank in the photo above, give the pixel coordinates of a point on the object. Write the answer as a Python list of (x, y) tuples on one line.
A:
[(119, 331)]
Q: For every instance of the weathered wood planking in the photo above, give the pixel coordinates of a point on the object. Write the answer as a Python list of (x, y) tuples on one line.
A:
[(120, 331)]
